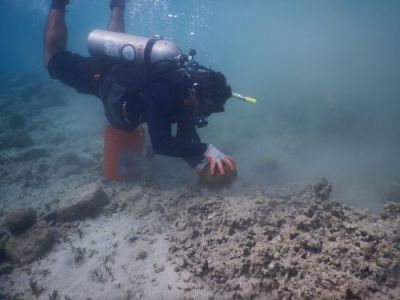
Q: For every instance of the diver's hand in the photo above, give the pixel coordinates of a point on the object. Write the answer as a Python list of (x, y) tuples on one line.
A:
[(216, 159), (118, 3)]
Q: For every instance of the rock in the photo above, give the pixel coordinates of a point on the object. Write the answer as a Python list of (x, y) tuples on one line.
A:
[(79, 254), (31, 244), (392, 210), (322, 189), (19, 220), (89, 203), (304, 223), (158, 268), (217, 180), (312, 244), (141, 255)]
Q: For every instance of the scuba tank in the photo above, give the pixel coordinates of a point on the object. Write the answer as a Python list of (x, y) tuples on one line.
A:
[(131, 48)]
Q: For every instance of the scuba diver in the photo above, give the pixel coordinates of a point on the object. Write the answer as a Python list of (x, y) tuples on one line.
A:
[(148, 81)]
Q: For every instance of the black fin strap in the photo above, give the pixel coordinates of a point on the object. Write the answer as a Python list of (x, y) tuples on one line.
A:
[(117, 3), (59, 4), (147, 51)]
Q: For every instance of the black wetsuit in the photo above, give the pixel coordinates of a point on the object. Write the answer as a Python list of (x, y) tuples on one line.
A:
[(158, 101)]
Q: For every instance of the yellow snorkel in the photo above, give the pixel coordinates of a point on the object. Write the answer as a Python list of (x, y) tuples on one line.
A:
[(244, 98)]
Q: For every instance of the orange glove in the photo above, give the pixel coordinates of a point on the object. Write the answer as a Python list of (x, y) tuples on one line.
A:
[(216, 158)]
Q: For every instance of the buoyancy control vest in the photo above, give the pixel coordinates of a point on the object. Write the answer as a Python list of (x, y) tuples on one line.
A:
[(122, 87)]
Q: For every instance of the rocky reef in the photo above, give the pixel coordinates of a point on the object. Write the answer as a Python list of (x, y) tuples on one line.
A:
[(288, 245)]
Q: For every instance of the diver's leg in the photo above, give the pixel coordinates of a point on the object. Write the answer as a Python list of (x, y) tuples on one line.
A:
[(117, 23), (55, 32)]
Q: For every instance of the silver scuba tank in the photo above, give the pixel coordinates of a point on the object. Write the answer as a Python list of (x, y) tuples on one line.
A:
[(131, 48)]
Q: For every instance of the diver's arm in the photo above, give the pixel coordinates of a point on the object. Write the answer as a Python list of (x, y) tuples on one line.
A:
[(55, 33), (187, 131), (159, 126), (117, 23), (165, 144)]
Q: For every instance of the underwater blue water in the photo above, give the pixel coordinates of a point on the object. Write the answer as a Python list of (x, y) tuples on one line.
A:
[(326, 75)]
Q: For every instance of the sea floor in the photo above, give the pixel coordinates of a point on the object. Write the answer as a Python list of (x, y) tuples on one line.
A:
[(162, 236)]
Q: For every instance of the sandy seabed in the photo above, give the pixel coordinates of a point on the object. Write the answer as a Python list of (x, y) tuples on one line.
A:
[(164, 237)]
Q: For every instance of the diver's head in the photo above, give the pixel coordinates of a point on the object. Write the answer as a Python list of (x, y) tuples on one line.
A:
[(212, 91), (208, 94)]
